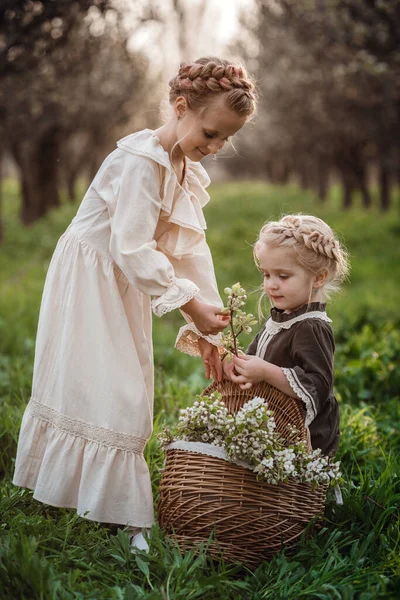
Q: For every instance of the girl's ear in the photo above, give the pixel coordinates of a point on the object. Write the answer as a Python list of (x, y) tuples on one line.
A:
[(180, 107), (320, 280)]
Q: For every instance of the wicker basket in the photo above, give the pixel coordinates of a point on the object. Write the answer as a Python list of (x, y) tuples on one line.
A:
[(250, 519), (287, 411)]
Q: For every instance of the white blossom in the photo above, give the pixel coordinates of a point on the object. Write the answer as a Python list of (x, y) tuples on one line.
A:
[(251, 436)]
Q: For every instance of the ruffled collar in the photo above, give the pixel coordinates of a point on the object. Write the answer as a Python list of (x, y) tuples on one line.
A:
[(279, 316), (181, 204), (146, 143)]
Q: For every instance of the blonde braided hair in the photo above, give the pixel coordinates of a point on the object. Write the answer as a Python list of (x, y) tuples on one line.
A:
[(207, 76), (316, 247)]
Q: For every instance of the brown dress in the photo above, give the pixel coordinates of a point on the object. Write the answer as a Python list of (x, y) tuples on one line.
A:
[(302, 343)]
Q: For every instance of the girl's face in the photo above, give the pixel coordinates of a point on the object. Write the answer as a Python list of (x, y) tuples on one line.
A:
[(287, 284), (207, 130)]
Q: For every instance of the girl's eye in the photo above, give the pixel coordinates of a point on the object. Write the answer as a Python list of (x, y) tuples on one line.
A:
[(266, 276), (210, 136), (283, 276)]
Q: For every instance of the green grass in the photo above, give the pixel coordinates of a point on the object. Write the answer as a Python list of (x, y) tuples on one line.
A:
[(50, 553)]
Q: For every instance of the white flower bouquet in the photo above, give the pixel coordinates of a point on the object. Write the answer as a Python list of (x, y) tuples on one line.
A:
[(250, 437)]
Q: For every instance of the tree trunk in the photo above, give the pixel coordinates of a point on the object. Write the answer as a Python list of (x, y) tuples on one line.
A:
[(396, 170), (32, 208), (73, 161), (33, 202), (70, 170), (71, 181), (366, 197), (304, 177), (362, 180), (47, 164), (1, 195), (365, 193), (284, 172), (348, 190), (268, 169), (38, 166), (384, 187), (322, 180)]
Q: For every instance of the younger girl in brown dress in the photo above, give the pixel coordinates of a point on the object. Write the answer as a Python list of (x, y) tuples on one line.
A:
[(302, 262)]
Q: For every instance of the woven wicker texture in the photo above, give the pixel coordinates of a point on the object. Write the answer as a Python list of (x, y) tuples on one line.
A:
[(287, 411), (250, 520)]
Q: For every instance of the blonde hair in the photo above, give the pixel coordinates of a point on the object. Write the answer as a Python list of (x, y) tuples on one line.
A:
[(315, 245), (197, 82)]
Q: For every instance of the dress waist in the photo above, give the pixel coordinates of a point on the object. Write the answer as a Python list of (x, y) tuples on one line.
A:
[(100, 251)]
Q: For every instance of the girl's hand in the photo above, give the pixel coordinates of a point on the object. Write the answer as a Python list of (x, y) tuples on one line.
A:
[(250, 369), (208, 318), (228, 368), (211, 359)]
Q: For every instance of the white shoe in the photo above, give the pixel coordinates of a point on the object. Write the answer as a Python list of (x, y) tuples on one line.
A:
[(138, 542)]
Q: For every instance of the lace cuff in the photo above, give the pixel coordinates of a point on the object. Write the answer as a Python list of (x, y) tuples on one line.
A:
[(188, 337), (178, 293), (301, 393)]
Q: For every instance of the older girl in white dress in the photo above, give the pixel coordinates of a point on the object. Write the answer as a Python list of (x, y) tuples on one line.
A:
[(137, 243)]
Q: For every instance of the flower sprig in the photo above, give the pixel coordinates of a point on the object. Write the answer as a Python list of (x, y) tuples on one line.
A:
[(207, 421), (251, 436), (240, 321)]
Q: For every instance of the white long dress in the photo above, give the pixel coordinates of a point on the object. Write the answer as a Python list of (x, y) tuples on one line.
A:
[(137, 243)]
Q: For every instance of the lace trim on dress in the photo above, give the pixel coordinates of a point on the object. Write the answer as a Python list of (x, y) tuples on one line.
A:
[(174, 297), (273, 327), (302, 393), (188, 336), (263, 342), (281, 316), (208, 449), (92, 433)]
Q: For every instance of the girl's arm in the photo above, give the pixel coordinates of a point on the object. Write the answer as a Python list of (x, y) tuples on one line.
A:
[(130, 188), (252, 369), (207, 317), (211, 359), (312, 376), (198, 268), (311, 379)]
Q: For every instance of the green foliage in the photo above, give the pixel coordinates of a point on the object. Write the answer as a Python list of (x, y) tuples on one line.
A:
[(367, 364), (50, 553), (359, 442)]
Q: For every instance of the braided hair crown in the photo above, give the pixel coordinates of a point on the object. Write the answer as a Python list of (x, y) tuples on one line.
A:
[(316, 246), (207, 76)]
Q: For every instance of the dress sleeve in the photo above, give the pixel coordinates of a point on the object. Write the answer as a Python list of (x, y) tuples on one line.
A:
[(131, 189), (312, 352), (198, 268)]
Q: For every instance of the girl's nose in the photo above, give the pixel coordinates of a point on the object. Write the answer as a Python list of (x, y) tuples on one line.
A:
[(215, 146), (273, 283)]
